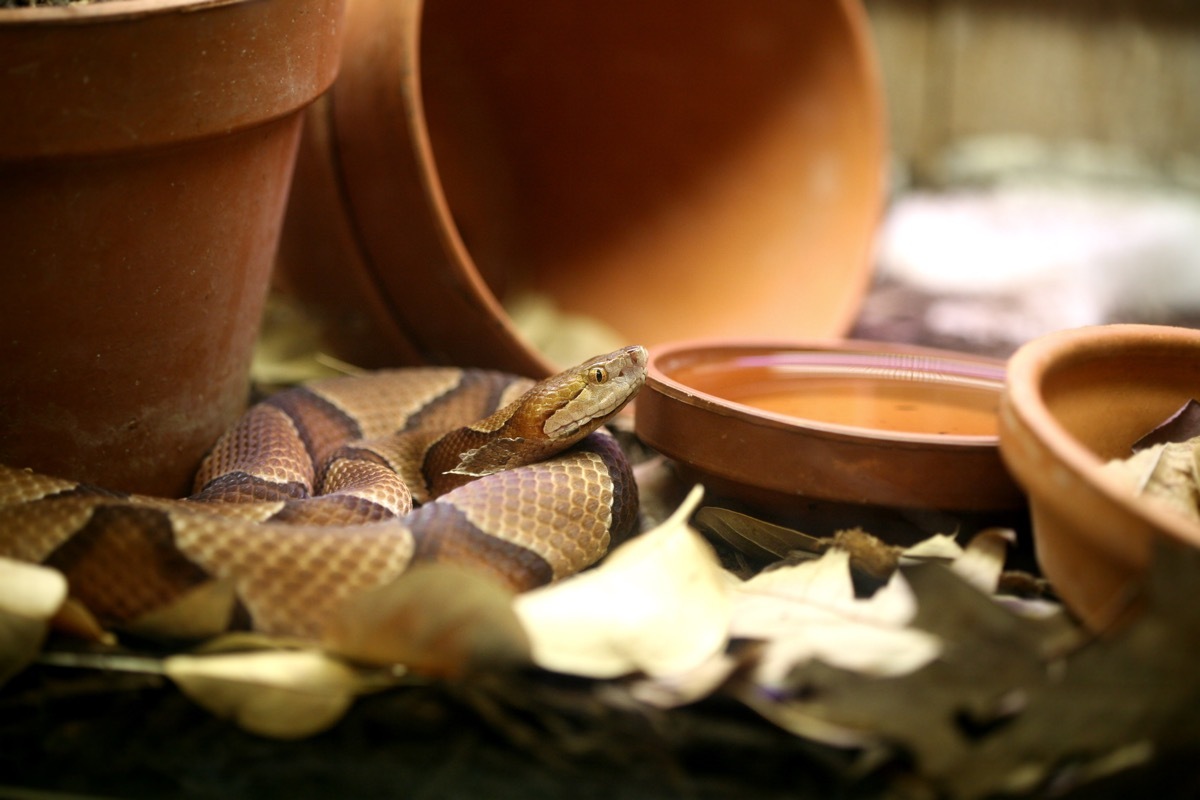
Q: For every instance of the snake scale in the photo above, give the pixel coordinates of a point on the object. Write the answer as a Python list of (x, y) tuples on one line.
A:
[(308, 500)]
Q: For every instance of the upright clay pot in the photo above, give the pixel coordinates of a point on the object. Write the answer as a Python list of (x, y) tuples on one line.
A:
[(1074, 400), (675, 168), (145, 159)]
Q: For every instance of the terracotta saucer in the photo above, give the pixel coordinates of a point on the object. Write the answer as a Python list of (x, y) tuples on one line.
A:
[(783, 424)]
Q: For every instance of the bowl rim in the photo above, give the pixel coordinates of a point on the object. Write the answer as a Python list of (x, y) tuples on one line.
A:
[(1027, 371), (657, 379)]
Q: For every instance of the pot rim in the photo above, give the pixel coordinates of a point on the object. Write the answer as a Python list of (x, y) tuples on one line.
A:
[(817, 428), (135, 74), (98, 13)]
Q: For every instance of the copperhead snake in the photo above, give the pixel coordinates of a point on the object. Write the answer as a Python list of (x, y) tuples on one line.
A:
[(308, 500)]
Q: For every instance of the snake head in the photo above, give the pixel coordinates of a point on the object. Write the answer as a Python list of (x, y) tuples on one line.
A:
[(550, 417), (562, 409), (575, 402)]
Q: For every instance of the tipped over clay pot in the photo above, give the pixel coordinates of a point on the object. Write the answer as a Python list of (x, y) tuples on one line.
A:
[(145, 159), (1074, 400), (672, 169)]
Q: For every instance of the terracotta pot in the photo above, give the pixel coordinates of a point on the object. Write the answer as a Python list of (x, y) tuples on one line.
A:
[(145, 159), (674, 169), (1074, 400)]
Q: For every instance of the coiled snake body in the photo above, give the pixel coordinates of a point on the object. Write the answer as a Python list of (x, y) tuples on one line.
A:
[(308, 499)]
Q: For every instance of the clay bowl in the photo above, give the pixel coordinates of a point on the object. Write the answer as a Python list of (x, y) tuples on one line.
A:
[(1074, 400), (781, 425), (672, 169)]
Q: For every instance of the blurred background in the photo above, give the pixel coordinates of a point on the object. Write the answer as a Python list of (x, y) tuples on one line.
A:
[(1045, 171)]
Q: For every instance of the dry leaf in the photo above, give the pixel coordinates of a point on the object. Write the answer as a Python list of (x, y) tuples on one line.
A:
[(1173, 480), (939, 547), (436, 619), (1165, 465), (201, 613), (756, 538), (809, 611), (1163, 473), (868, 553), (658, 604), (660, 490), (939, 715), (249, 641), (30, 596), (982, 563), (280, 694), (563, 337), (767, 542), (688, 686), (1108, 699), (76, 620), (1184, 424), (288, 348)]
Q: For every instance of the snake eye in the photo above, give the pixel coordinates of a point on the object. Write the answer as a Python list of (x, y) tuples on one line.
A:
[(599, 375)]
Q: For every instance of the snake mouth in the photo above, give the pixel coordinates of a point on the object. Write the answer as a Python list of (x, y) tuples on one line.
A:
[(638, 357), (633, 370)]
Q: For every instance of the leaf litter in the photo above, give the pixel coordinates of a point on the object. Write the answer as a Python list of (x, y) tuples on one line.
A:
[(969, 674)]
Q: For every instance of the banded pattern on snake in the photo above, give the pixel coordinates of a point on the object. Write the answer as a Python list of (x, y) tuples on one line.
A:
[(308, 499)]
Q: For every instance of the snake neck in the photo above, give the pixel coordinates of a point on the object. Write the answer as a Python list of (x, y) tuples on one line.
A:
[(549, 418)]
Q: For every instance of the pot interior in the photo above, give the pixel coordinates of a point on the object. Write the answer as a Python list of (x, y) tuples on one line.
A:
[(673, 169)]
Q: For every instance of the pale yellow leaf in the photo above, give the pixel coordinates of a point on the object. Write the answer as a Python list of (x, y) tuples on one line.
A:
[(659, 605), (940, 546), (1195, 461), (1173, 481), (809, 611), (30, 590), (983, 560), (280, 694), (1164, 474), (30, 595), (76, 620), (436, 619), (681, 688), (847, 643), (201, 613), (249, 641)]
